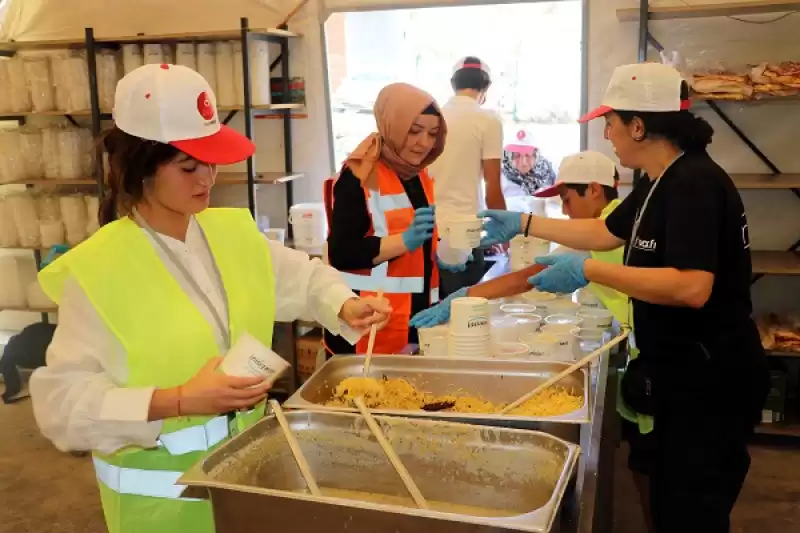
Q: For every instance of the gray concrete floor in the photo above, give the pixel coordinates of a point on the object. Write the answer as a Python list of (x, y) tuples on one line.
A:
[(44, 490)]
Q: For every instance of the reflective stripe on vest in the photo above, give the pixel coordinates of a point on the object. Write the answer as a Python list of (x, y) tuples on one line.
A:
[(434, 295), (379, 204), (197, 438), (379, 279), (135, 481)]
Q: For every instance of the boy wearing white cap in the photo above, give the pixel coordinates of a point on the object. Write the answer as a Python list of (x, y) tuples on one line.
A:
[(471, 161), (587, 184)]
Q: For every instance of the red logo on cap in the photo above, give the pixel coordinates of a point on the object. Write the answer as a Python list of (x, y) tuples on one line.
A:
[(204, 106), (521, 135)]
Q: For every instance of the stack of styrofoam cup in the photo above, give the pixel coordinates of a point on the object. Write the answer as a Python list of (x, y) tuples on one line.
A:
[(469, 334), (433, 341)]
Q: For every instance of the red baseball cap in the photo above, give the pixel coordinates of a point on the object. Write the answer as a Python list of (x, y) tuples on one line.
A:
[(175, 105), (653, 87)]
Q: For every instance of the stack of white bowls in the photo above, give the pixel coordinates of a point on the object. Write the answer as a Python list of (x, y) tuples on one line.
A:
[(469, 332)]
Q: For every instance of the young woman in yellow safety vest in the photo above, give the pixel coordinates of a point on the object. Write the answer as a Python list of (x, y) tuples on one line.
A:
[(150, 302)]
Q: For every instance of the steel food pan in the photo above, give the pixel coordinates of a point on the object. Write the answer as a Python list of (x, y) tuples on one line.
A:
[(516, 478), (494, 380)]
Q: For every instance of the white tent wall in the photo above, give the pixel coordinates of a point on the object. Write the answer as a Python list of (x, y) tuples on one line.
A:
[(774, 215)]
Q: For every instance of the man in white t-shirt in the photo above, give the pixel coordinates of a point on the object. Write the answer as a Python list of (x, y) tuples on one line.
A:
[(471, 159)]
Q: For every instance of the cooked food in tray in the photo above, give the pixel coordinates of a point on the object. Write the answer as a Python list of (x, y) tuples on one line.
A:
[(399, 394), (780, 333)]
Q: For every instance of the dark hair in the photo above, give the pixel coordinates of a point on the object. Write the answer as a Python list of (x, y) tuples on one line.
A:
[(470, 78), (610, 193), (131, 162), (685, 130), (431, 110)]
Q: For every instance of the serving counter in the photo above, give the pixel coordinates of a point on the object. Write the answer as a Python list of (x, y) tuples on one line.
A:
[(540, 475)]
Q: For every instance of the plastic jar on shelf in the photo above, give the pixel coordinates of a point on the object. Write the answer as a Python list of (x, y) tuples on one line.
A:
[(185, 55), (12, 164), (40, 83), (153, 54), (50, 157), (88, 152), (19, 97), (58, 66), (23, 209), (8, 227), (107, 78), (207, 63), (5, 88), (30, 147), (238, 72), (226, 87), (132, 57), (51, 227), (12, 292), (260, 83), (73, 213), (70, 151), (76, 74)]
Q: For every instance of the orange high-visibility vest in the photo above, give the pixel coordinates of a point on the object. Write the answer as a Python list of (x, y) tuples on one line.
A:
[(391, 213)]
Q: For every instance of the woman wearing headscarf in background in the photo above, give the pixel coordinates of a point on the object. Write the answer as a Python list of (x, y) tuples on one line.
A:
[(525, 170), (382, 227)]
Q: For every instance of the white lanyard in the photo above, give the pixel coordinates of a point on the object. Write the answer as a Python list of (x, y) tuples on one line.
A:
[(640, 213), (190, 281), (638, 220)]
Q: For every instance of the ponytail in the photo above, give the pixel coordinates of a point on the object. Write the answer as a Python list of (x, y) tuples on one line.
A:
[(686, 131)]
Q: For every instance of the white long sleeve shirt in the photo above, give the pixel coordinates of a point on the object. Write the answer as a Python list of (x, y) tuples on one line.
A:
[(78, 398)]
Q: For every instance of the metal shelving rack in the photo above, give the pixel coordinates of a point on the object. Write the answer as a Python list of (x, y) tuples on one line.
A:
[(773, 262), (91, 43)]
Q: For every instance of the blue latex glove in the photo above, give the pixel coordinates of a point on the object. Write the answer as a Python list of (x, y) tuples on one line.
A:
[(564, 273), (501, 227), (437, 314), (454, 268), (421, 228)]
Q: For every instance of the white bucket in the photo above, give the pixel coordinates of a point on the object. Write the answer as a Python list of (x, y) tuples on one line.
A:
[(309, 225)]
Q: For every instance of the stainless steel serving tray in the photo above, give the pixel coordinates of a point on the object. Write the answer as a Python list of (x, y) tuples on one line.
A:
[(494, 380), (253, 481)]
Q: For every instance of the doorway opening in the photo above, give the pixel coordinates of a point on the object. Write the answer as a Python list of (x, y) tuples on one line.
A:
[(533, 49)]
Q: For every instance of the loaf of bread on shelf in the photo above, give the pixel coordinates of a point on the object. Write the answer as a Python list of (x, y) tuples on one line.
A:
[(724, 84)]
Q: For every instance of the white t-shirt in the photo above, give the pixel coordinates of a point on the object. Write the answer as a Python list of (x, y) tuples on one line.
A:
[(474, 134)]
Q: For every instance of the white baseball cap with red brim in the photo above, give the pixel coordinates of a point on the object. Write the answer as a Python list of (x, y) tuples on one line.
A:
[(582, 168), (522, 143), (174, 105), (652, 87)]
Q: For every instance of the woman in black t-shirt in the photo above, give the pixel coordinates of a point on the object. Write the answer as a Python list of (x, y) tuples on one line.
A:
[(701, 371)]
